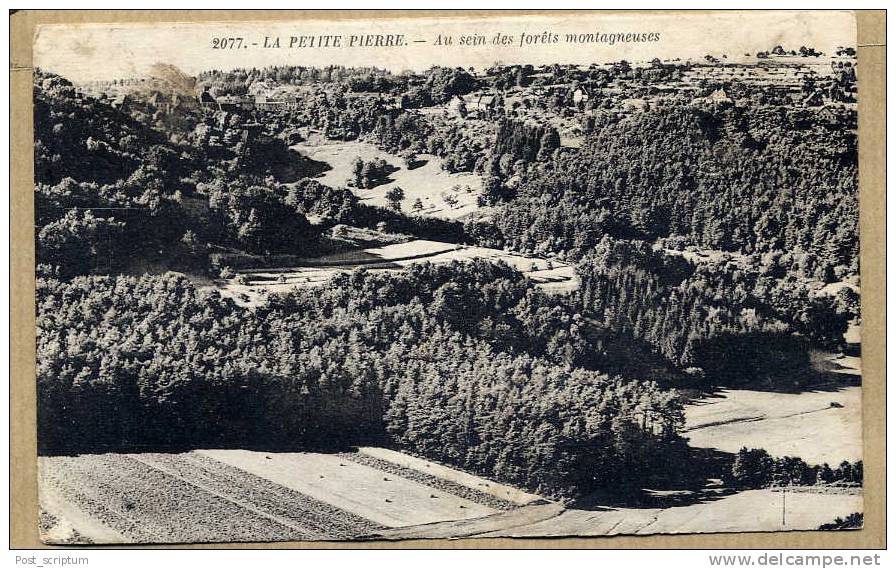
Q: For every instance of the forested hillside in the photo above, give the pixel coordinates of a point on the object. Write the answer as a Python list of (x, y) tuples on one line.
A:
[(115, 188), (722, 322), (150, 362), (750, 180)]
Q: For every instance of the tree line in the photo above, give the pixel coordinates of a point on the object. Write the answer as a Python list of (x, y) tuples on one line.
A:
[(756, 468)]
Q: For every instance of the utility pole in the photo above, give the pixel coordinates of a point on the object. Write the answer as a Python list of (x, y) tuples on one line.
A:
[(784, 505)]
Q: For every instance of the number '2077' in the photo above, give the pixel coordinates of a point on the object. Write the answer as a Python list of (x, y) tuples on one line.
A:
[(227, 43)]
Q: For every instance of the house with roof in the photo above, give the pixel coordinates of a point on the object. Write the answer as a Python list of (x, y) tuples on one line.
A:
[(483, 104), (719, 97), (207, 101), (266, 103), (456, 107), (119, 102), (229, 104)]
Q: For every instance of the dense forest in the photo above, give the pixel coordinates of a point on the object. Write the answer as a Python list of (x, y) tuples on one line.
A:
[(722, 322), (749, 181), (110, 189)]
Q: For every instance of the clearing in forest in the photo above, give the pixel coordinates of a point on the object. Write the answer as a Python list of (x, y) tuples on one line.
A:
[(823, 425), (427, 181), (550, 275)]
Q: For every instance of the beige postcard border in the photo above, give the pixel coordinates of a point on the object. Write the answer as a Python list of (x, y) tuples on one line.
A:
[(872, 181)]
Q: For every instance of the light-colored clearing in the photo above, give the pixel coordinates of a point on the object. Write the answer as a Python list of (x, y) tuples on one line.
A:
[(832, 289), (784, 424), (503, 491), (848, 365), (427, 182), (550, 275), (853, 334), (383, 498)]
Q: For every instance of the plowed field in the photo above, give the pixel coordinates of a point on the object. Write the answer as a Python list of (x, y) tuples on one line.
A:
[(239, 495)]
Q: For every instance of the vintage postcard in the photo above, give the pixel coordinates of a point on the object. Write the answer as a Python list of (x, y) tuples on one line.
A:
[(575, 274)]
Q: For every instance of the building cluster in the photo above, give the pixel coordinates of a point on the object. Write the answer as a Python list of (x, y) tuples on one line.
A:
[(808, 84), (268, 102), (167, 102), (233, 103)]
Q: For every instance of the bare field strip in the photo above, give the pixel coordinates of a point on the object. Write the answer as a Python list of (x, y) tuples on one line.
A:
[(188, 497), (317, 520), (149, 505), (71, 523), (389, 467), (414, 250), (389, 500), (80, 496), (502, 491)]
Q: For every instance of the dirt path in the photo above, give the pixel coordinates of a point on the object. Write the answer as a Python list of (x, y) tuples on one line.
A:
[(754, 510), (501, 524), (71, 524)]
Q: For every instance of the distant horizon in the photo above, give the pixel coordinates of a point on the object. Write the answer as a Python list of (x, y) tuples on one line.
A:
[(732, 60), (89, 53)]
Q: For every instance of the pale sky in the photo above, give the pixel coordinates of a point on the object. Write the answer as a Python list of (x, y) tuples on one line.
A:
[(96, 52)]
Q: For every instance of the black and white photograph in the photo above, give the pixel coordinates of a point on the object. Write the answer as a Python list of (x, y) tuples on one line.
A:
[(435, 278)]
